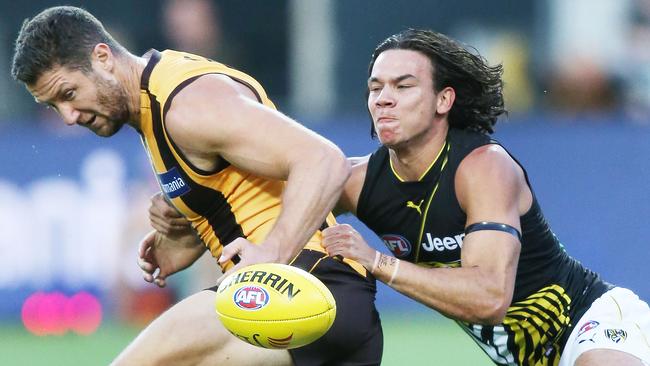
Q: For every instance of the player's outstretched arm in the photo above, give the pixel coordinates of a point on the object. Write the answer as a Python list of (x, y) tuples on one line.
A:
[(213, 117), (490, 187)]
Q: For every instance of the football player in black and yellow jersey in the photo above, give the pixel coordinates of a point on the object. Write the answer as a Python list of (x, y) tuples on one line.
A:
[(255, 185), (466, 231)]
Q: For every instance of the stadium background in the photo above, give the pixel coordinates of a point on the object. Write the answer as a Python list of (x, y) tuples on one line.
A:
[(73, 206)]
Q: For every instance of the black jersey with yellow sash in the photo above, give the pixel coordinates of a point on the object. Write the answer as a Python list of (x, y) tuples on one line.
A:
[(422, 222), (222, 205)]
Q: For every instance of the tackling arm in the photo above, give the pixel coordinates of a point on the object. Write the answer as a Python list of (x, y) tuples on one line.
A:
[(490, 187)]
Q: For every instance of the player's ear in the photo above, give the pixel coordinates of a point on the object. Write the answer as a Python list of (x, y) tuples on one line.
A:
[(103, 56), (445, 100)]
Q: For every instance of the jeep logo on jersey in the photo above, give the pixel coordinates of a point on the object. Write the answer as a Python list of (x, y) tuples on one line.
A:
[(172, 184), (441, 244), (397, 244), (251, 298)]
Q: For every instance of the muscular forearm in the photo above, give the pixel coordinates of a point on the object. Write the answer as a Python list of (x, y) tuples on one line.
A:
[(465, 294), (311, 191)]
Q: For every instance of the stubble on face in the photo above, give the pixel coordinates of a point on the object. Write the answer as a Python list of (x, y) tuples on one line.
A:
[(112, 100)]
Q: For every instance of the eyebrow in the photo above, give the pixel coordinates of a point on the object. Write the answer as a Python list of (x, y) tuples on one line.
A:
[(57, 95), (395, 80)]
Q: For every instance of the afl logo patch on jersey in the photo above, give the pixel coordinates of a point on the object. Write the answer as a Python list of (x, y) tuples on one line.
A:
[(592, 324), (397, 244), (172, 183), (251, 297)]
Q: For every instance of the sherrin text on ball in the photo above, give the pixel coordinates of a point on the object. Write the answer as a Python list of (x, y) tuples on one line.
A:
[(275, 305)]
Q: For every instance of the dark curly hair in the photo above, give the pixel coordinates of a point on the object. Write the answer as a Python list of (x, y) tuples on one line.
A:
[(58, 36), (478, 86)]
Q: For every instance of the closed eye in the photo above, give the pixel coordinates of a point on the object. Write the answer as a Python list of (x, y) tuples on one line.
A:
[(374, 87)]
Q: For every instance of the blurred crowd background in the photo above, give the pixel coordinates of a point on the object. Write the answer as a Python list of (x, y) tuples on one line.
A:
[(563, 57), (577, 73)]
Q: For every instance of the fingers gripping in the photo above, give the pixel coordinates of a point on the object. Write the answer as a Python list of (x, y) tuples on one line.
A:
[(232, 251), (164, 217), (337, 239)]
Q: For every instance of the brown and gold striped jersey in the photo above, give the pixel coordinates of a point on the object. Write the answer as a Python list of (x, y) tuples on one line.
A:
[(223, 204)]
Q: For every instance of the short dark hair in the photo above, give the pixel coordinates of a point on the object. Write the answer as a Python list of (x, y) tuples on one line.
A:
[(58, 36), (478, 86)]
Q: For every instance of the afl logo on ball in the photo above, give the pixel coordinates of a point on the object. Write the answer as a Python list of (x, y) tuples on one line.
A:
[(397, 244), (251, 298)]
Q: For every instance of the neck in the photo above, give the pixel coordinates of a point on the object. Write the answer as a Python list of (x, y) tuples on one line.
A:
[(130, 74), (412, 160)]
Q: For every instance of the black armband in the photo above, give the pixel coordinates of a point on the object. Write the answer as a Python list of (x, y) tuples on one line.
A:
[(485, 225)]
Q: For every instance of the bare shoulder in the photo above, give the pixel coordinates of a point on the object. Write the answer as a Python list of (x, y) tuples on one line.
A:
[(489, 173), (352, 189), (201, 111), (212, 91), (358, 173), (359, 160), (488, 159)]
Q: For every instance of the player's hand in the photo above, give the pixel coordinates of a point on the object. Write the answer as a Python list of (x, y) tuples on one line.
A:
[(160, 256), (345, 241), (165, 218), (248, 254)]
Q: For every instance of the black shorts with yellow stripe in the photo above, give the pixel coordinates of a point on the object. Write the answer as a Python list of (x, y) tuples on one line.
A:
[(356, 336)]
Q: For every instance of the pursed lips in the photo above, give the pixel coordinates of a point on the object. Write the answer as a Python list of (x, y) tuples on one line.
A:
[(386, 120)]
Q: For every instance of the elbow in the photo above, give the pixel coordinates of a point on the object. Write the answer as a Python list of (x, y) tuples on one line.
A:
[(345, 168), (493, 312), (339, 168), (495, 300), (495, 317)]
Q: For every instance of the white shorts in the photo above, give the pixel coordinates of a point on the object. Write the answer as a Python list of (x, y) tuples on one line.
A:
[(618, 320)]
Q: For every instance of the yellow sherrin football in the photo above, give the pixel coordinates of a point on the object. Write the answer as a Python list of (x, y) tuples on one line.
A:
[(274, 305)]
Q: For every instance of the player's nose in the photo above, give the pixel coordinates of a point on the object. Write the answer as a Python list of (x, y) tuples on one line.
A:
[(385, 98), (69, 114)]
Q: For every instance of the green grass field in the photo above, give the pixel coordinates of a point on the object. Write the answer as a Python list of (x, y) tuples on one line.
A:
[(428, 339), (414, 339)]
